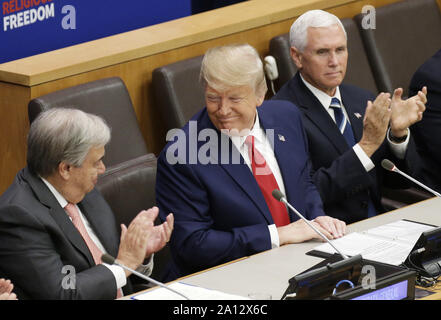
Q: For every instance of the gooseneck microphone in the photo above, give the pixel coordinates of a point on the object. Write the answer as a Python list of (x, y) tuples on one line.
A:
[(389, 165), (107, 258), (279, 196)]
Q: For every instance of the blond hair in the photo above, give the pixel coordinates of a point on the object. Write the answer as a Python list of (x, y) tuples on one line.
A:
[(231, 66)]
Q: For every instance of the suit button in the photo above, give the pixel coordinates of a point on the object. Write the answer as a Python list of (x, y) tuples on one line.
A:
[(364, 204)]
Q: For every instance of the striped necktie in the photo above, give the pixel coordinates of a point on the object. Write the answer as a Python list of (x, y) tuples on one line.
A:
[(346, 129), (342, 122)]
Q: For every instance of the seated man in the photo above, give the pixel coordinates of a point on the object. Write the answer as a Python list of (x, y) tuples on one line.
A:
[(55, 226), (346, 126), (217, 173), (427, 130)]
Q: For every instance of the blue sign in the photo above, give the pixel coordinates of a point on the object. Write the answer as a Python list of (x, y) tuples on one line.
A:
[(29, 27), (397, 291)]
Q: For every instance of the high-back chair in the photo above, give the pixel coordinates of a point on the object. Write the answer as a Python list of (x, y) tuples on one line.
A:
[(129, 188), (109, 99), (406, 34), (178, 92)]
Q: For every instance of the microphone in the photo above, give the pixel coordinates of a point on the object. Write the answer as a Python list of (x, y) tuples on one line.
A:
[(107, 258), (389, 165), (279, 196)]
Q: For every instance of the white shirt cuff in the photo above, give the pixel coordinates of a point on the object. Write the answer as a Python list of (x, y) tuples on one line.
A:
[(146, 269), (399, 149), (363, 157), (118, 272), (275, 242)]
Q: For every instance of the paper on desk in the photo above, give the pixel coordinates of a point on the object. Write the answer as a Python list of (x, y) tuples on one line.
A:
[(390, 243), (192, 292), (403, 230)]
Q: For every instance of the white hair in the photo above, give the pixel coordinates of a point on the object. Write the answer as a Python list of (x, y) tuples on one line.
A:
[(233, 65), (298, 34), (62, 134)]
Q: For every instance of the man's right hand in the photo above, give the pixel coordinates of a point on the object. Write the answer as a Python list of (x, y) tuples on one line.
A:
[(375, 123)]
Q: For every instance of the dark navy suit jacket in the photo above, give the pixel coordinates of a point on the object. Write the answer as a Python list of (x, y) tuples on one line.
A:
[(220, 212), (427, 132), (344, 185)]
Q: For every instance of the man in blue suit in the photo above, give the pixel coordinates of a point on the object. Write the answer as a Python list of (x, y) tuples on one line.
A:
[(217, 173), (428, 130), (347, 126)]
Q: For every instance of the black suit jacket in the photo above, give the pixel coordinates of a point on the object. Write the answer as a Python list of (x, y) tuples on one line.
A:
[(343, 183), (427, 132), (37, 239)]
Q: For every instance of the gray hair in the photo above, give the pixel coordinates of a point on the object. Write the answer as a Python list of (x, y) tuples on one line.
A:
[(62, 134), (310, 19), (233, 65)]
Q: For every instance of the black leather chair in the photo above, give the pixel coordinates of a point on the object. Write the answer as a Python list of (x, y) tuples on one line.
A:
[(109, 99), (407, 33), (178, 92), (129, 187), (358, 71), (397, 198)]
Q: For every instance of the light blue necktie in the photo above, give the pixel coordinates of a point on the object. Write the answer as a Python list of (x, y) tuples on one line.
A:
[(346, 129)]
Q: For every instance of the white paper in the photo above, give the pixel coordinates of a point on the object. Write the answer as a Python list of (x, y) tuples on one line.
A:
[(402, 230), (390, 243), (192, 292)]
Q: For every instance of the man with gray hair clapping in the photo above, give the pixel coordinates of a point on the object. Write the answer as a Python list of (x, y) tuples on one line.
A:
[(54, 224)]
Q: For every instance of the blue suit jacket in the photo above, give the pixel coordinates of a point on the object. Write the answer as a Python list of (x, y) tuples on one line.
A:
[(428, 130), (344, 185), (220, 212)]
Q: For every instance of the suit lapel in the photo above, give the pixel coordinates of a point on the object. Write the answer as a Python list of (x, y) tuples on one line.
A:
[(239, 172), (94, 213), (243, 176), (283, 146), (58, 214), (314, 111), (354, 111)]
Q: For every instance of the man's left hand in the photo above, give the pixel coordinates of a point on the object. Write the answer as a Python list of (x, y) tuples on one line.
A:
[(406, 112), (335, 227), (159, 235)]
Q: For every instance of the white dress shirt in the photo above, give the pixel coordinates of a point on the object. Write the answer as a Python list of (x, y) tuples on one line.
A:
[(262, 144), (399, 149), (117, 271)]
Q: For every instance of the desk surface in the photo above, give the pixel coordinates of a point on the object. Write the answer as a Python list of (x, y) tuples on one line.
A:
[(270, 271)]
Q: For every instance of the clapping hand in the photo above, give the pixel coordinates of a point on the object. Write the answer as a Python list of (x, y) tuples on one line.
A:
[(406, 112)]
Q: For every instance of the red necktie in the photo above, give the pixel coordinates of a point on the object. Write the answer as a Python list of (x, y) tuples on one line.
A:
[(74, 214), (267, 183)]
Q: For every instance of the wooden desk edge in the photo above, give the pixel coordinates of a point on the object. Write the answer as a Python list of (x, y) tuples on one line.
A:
[(154, 39)]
